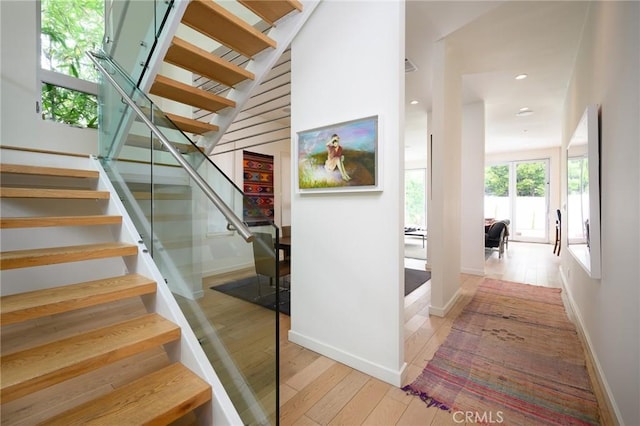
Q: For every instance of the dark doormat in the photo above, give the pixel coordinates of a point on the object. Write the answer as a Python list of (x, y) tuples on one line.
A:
[(414, 278), (247, 289)]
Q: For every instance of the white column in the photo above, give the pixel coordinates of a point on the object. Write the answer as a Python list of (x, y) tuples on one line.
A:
[(472, 202), (347, 297), (444, 215)]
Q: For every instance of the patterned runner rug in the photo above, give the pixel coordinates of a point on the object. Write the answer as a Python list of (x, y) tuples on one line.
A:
[(512, 357)]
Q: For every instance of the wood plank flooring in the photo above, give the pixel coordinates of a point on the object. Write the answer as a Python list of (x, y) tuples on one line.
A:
[(316, 390)]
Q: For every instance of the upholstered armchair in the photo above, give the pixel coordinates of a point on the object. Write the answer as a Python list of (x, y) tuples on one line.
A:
[(496, 236)]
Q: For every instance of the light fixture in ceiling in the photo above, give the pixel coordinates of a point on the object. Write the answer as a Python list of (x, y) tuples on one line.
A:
[(414, 102), (524, 112), (521, 76), (409, 66)]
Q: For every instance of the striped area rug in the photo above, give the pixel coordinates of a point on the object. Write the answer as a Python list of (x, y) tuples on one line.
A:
[(512, 357)]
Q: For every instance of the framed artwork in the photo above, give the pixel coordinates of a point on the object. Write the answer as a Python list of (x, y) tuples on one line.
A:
[(339, 157)]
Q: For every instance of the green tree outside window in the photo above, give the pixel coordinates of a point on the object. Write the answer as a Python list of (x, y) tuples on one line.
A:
[(68, 29)]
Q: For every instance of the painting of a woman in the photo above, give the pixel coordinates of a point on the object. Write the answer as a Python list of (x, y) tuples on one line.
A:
[(335, 158)]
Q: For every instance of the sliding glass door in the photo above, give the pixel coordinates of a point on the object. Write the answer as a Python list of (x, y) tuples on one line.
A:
[(518, 191)]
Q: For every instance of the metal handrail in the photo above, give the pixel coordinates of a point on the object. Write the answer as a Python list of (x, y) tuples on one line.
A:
[(234, 220)]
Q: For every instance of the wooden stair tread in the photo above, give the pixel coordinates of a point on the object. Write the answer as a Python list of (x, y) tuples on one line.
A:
[(46, 221), (271, 10), (53, 255), (33, 369), (221, 25), (39, 303), (189, 95), (172, 121), (190, 57), (140, 141), (158, 398), (189, 125), (7, 192), (47, 171)]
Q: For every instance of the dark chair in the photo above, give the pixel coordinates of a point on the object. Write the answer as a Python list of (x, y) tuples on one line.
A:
[(264, 256), (556, 247), (495, 237)]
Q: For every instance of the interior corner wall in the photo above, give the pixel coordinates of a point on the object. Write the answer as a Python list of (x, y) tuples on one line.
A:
[(347, 280), (607, 71), (21, 125), (472, 203)]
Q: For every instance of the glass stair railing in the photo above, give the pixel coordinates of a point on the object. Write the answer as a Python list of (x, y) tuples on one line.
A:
[(139, 21), (195, 221)]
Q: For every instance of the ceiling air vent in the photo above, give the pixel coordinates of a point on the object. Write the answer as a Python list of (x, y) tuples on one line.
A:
[(409, 66)]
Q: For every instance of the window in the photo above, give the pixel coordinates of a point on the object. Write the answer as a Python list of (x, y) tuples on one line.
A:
[(517, 191), (577, 199), (67, 30), (414, 198)]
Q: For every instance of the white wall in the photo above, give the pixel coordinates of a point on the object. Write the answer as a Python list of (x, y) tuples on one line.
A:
[(472, 203), (20, 124), (347, 267), (607, 73)]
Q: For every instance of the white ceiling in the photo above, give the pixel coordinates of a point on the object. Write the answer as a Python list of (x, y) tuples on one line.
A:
[(495, 41)]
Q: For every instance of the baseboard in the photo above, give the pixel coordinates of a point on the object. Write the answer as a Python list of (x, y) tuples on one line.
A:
[(472, 271), (441, 312), (576, 317), (227, 269), (394, 378)]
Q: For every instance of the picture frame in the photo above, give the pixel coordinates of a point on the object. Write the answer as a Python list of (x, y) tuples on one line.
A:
[(341, 157)]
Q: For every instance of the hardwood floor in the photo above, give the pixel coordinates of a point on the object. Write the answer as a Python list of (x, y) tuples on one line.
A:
[(315, 390)]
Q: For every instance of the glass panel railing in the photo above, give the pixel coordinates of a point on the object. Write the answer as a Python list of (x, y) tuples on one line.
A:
[(132, 28), (228, 289)]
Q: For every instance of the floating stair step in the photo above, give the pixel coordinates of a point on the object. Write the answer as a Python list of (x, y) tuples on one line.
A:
[(53, 193), (158, 398), (171, 121), (139, 141), (216, 22), (271, 11), (48, 171), (46, 221), (190, 57), (33, 369), (53, 255), (40, 303), (183, 93), (189, 125)]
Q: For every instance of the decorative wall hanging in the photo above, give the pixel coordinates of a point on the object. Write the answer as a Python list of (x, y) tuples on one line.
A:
[(339, 157), (258, 187)]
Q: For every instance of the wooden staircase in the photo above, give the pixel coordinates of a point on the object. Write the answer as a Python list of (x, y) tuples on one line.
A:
[(88, 352), (243, 42)]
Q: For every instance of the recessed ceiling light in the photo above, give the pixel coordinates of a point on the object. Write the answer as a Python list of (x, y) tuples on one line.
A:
[(524, 112), (414, 102), (521, 76)]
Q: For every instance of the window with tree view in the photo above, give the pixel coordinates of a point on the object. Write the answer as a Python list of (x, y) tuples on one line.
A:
[(415, 200), (518, 191), (67, 30)]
